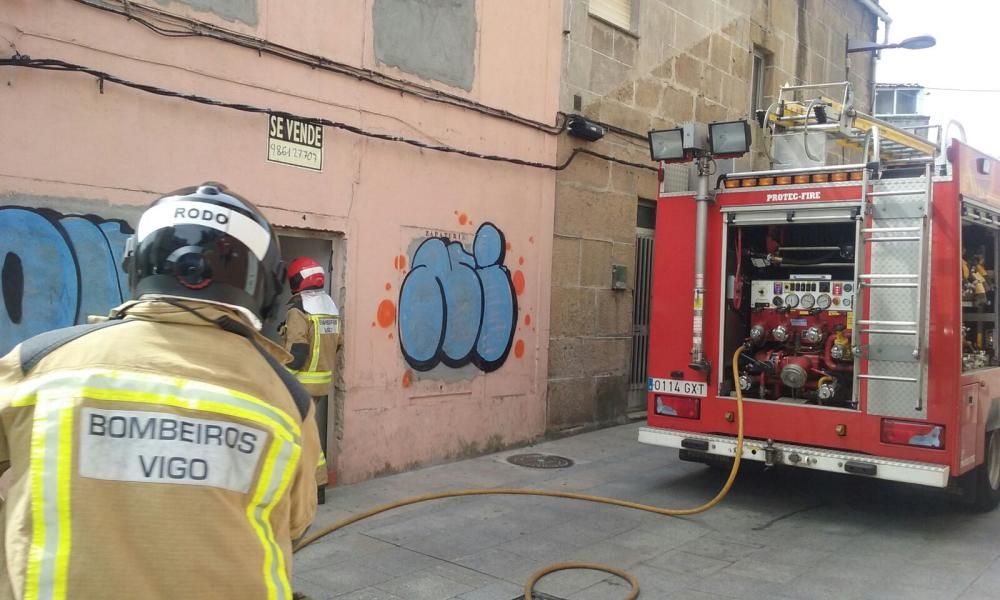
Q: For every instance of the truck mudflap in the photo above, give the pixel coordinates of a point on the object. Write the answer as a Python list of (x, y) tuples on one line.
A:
[(805, 457)]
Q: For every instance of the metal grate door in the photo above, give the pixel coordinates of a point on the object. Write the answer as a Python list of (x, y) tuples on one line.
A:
[(640, 319)]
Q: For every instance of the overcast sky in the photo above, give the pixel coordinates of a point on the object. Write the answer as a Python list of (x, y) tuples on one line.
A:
[(968, 35)]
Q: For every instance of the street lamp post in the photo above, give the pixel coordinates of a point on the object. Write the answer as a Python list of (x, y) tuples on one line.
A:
[(914, 43), (919, 42)]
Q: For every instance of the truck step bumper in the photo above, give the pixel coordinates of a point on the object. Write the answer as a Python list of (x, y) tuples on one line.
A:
[(804, 457)]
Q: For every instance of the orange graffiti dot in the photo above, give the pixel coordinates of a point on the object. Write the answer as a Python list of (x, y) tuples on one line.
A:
[(518, 282), (519, 348), (407, 378), (388, 286), (399, 262), (463, 219), (509, 246), (531, 239), (386, 313), (527, 320), (391, 336), (374, 324), (520, 260)]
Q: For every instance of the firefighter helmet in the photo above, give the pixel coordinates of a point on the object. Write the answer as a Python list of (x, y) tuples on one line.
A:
[(305, 274), (207, 243)]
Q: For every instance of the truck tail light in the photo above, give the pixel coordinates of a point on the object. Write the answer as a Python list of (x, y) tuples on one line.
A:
[(908, 433), (678, 406)]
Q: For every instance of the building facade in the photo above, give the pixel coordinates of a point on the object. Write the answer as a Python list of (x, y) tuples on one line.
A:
[(903, 105), (636, 65), (440, 262)]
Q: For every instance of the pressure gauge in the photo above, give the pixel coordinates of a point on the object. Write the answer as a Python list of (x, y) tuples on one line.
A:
[(846, 302), (823, 302), (808, 301), (792, 300), (777, 302)]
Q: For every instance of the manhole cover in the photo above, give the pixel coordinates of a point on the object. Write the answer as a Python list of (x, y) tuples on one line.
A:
[(540, 461)]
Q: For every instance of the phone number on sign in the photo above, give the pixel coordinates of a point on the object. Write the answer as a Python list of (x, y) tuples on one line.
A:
[(280, 151)]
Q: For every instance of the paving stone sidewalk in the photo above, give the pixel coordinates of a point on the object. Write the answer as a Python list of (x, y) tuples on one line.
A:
[(779, 534)]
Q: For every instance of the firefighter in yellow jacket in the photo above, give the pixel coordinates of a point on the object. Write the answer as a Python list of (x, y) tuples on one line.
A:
[(312, 334), (166, 452)]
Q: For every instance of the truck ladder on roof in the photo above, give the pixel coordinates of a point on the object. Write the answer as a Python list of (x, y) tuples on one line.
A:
[(824, 115)]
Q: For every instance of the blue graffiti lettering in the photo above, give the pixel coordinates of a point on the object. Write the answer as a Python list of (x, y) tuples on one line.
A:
[(57, 270), (458, 308)]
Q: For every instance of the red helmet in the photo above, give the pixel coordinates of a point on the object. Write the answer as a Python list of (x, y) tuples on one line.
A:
[(305, 274)]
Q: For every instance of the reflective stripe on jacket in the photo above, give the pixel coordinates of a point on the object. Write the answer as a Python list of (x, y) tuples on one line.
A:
[(158, 458), (320, 333)]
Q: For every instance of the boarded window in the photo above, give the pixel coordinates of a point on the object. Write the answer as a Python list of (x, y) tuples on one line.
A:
[(434, 39), (616, 12)]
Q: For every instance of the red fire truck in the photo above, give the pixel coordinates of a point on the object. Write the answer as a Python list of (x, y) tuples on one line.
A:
[(857, 276)]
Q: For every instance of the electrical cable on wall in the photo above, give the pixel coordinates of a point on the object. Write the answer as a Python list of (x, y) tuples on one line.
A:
[(196, 28), (24, 61)]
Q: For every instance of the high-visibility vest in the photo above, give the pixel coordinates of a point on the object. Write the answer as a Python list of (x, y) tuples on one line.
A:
[(320, 332), (159, 457)]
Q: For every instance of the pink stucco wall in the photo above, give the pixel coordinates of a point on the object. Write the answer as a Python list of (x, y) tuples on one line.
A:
[(62, 138)]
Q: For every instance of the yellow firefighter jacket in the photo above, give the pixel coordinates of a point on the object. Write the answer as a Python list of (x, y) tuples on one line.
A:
[(312, 334), (159, 457)]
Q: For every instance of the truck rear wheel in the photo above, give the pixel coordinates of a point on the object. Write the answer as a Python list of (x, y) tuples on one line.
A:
[(986, 477)]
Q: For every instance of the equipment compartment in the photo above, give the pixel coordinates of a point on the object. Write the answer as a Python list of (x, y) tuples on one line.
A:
[(790, 294)]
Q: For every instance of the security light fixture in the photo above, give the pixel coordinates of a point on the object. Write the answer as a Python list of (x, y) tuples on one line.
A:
[(581, 127), (919, 42), (667, 145), (729, 138)]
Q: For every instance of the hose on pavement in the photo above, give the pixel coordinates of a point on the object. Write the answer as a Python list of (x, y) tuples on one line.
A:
[(530, 584)]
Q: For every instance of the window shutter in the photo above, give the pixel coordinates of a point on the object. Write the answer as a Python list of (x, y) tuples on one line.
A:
[(616, 12)]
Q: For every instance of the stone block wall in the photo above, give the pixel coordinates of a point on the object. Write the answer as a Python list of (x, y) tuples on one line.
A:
[(683, 60)]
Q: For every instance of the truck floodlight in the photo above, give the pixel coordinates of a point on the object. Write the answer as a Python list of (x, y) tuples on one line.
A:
[(729, 138), (667, 145)]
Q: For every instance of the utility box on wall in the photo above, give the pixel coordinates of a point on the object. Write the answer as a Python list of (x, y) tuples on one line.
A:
[(619, 277)]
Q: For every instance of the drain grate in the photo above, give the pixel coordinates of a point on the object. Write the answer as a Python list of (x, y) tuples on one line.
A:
[(540, 461)]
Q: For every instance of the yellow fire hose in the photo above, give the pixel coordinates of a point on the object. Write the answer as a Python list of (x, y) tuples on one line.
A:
[(530, 584)]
